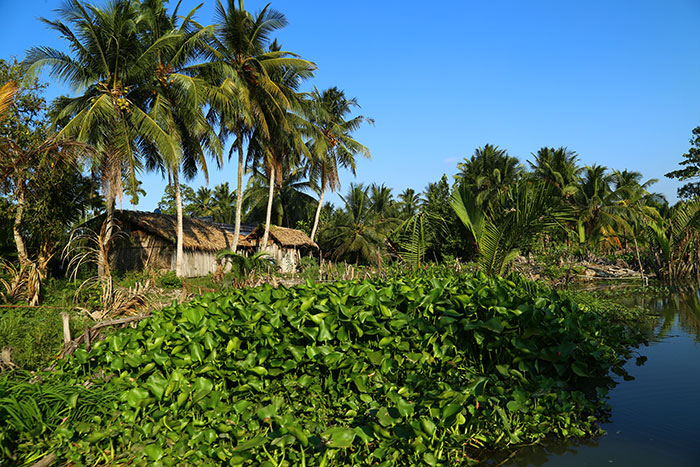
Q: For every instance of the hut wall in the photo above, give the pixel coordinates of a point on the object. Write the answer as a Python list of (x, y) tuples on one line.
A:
[(195, 263), (141, 250), (286, 258)]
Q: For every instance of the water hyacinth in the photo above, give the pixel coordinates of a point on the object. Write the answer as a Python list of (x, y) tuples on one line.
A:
[(412, 371)]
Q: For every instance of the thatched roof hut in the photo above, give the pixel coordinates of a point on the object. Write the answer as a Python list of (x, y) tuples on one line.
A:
[(285, 245), (197, 234), (150, 241), (283, 236)]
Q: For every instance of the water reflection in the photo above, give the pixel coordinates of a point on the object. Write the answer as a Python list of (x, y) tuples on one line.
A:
[(655, 417)]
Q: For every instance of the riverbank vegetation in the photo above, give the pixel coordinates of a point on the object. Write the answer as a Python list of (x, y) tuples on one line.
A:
[(426, 369), (411, 338)]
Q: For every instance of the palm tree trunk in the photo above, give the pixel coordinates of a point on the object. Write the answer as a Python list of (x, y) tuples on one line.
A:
[(318, 210), (179, 254), (239, 191), (268, 215), (109, 185), (19, 241)]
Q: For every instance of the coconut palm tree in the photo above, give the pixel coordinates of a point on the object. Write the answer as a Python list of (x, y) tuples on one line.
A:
[(488, 171), (356, 233), (175, 99), (409, 203), (557, 166), (281, 148), (202, 202), (240, 62), (332, 144), (291, 202), (110, 59), (223, 206), (636, 203), (597, 205)]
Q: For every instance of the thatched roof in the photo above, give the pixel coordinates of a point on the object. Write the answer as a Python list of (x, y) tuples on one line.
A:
[(198, 234), (283, 236)]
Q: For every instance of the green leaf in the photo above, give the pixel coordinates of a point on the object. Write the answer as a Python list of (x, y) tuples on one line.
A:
[(430, 459), (153, 451), (202, 387), (339, 437), (157, 385), (494, 324), (579, 370), (196, 352), (135, 397), (194, 314)]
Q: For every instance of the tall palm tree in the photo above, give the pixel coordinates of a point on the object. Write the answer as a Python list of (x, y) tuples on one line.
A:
[(240, 62), (557, 166), (597, 204), (175, 99), (382, 202), (409, 203), (223, 206), (202, 202), (291, 202), (281, 147), (109, 61), (356, 233), (332, 144), (488, 171), (636, 203)]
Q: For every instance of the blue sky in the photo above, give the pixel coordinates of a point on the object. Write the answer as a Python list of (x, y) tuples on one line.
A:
[(618, 82)]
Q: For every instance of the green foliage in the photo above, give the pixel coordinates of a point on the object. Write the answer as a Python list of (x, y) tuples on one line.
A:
[(511, 222), (30, 410), (691, 169), (488, 171), (309, 268), (453, 240), (358, 232), (675, 242), (168, 205), (169, 280), (35, 334), (424, 369), (242, 267), (412, 238)]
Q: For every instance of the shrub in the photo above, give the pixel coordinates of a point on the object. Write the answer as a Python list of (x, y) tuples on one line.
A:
[(169, 280)]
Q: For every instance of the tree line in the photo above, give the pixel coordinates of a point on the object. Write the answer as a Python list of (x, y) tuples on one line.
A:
[(155, 90)]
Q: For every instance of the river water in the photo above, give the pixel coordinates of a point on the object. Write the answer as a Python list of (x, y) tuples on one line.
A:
[(655, 417)]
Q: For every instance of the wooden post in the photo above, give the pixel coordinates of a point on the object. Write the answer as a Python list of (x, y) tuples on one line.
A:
[(65, 317), (87, 338)]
